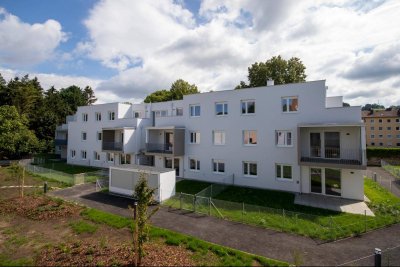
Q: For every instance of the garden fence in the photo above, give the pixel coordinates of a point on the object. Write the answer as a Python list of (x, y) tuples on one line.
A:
[(388, 257), (394, 170), (385, 181)]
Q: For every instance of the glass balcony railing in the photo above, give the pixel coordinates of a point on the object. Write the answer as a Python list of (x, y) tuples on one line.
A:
[(159, 148), (114, 146), (333, 155)]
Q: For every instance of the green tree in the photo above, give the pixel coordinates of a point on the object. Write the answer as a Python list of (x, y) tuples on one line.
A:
[(15, 137), (144, 196), (372, 106), (278, 69), (346, 104), (178, 89)]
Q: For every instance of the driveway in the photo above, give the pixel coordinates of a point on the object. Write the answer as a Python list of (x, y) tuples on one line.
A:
[(265, 242)]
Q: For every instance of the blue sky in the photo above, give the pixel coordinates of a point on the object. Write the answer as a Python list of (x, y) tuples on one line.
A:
[(126, 49)]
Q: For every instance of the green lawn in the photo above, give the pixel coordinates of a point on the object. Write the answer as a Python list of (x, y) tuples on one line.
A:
[(67, 168), (190, 186), (225, 256), (276, 210)]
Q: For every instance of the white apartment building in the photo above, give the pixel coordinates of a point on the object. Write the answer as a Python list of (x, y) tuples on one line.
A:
[(284, 137)]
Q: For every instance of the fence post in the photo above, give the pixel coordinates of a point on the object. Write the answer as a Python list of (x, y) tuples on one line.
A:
[(365, 221), (211, 191), (378, 257), (331, 226), (209, 206), (180, 200), (242, 211), (194, 203), (375, 177), (283, 222)]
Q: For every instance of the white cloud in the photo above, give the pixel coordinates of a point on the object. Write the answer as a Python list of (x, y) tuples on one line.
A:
[(23, 44)]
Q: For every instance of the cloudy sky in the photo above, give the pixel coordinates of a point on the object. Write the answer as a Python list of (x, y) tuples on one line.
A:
[(125, 49)]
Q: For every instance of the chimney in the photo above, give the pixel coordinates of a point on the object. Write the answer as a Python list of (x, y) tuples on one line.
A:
[(270, 82)]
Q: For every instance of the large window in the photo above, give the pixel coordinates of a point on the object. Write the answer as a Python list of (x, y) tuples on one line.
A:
[(333, 182), (98, 116), (283, 138), (249, 137), (111, 115), (125, 159), (83, 154), (248, 106), (194, 164), (194, 110), (290, 104), (283, 172), (84, 136), (96, 156), (218, 166), (168, 163), (249, 168), (73, 153), (219, 138), (85, 117), (194, 138), (161, 113), (221, 108), (110, 157)]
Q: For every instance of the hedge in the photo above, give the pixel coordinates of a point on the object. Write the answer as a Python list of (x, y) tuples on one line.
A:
[(383, 152)]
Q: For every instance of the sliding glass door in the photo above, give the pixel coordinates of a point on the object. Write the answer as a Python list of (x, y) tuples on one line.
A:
[(315, 145), (316, 180), (332, 144), (333, 183)]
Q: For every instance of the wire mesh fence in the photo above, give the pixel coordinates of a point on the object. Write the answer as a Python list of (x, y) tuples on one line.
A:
[(394, 170), (386, 257), (385, 181)]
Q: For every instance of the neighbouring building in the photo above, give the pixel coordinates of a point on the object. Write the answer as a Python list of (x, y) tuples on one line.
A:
[(284, 137), (382, 127)]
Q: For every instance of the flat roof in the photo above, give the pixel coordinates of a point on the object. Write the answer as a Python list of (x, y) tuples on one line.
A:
[(331, 124), (142, 168), (165, 127), (118, 128)]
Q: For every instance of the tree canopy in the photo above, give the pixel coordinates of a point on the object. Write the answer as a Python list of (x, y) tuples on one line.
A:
[(278, 69), (178, 89), (372, 106)]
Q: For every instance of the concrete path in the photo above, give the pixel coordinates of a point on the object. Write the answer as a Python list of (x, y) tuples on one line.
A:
[(387, 180), (268, 243)]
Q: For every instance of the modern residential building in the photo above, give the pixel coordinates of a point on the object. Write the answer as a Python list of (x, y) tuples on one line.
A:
[(382, 127), (285, 137)]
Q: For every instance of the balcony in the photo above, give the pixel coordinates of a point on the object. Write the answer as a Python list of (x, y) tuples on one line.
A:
[(332, 156), (159, 148), (112, 146), (60, 142)]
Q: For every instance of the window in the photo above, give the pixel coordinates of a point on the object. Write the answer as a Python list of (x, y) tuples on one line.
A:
[(249, 168), (85, 117), (194, 138), (397, 128), (194, 164), (111, 115), (380, 120), (398, 136), (372, 144), (389, 128), (380, 128), (381, 136), (168, 163), (249, 137), (397, 120), (372, 120), (219, 137), (194, 110), (136, 115), (389, 136), (283, 172), (161, 113), (221, 109), (283, 138), (380, 144), (110, 157), (372, 128), (398, 144), (125, 159), (83, 154), (96, 156), (290, 104), (99, 136), (98, 116), (73, 153), (248, 106), (389, 143), (218, 166), (179, 111), (372, 136), (388, 120), (84, 136)]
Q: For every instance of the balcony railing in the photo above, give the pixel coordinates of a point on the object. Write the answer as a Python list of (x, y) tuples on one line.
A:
[(60, 142), (114, 146), (333, 155), (159, 148)]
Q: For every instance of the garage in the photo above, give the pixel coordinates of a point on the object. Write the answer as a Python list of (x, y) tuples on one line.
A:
[(123, 180)]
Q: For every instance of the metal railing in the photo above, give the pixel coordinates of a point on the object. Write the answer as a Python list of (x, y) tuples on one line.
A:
[(333, 155), (60, 142), (386, 257), (116, 146), (393, 170), (160, 148)]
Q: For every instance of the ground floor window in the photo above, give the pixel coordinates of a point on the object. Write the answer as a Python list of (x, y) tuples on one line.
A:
[(326, 181), (125, 159), (110, 157), (218, 166), (96, 155), (249, 168), (283, 172), (73, 153), (194, 164), (83, 154), (168, 163)]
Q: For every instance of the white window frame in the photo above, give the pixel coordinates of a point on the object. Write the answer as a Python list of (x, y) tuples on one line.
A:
[(136, 114), (73, 153), (246, 165), (179, 112), (219, 140), (99, 134), (161, 113), (96, 156), (287, 141), (398, 136), (196, 164), (372, 120), (280, 177), (110, 157), (85, 117), (123, 159), (83, 155), (224, 109), (287, 99), (194, 137), (84, 134), (246, 103), (98, 116), (217, 162), (248, 134), (192, 110), (111, 115)]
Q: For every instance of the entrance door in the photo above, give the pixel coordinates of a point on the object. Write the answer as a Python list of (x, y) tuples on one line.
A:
[(316, 180), (176, 166), (333, 183), (332, 145), (169, 141), (315, 145)]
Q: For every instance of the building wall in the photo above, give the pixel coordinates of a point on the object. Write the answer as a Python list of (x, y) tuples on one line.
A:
[(390, 138)]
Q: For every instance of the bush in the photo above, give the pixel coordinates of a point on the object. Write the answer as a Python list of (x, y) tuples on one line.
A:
[(383, 152)]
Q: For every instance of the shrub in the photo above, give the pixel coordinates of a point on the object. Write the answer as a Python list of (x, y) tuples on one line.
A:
[(383, 152)]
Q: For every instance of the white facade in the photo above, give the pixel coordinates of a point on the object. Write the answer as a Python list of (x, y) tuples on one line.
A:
[(270, 137)]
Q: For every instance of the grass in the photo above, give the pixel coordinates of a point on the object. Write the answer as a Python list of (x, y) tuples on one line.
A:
[(190, 186), (81, 227), (6, 261), (276, 210), (226, 256), (67, 168)]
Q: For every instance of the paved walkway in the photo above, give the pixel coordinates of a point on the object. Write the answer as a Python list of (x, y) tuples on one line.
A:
[(268, 243), (333, 203), (387, 180)]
